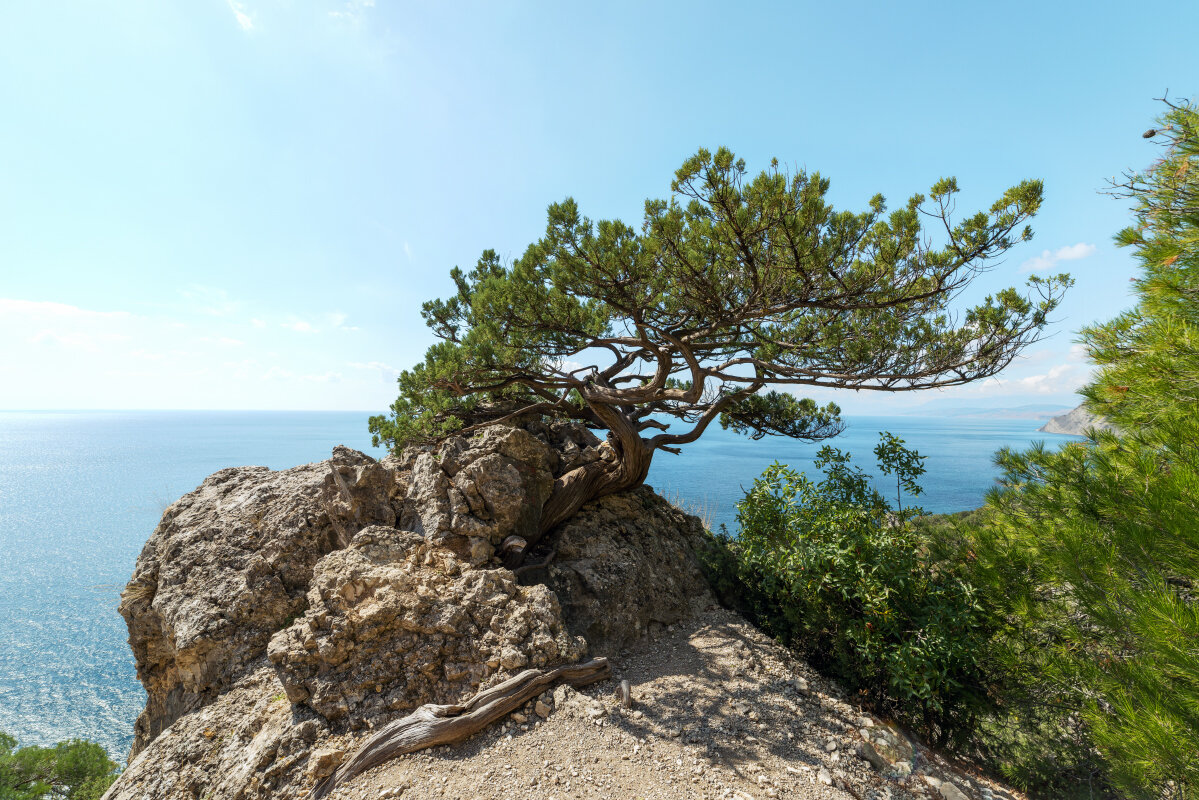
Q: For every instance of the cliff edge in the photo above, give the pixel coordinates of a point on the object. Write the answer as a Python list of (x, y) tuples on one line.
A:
[(278, 619), (1076, 422)]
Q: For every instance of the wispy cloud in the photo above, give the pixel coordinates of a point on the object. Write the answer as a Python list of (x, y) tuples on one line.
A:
[(1049, 258), (44, 310), (210, 301), (243, 17), (353, 10), (385, 372), (332, 321)]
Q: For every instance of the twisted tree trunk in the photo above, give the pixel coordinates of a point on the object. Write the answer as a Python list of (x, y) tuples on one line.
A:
[(431, 725), (624, 465)]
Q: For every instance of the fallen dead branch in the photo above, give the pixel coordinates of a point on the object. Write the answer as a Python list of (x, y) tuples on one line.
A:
[(431, 725)]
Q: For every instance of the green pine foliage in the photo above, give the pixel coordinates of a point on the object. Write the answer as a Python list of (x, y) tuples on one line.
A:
[(1148, 354), (1108, 530), (70, 770), (735, 284)]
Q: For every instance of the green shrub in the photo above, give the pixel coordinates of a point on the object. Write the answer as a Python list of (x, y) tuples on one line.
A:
[(70, 770), (833, 570)]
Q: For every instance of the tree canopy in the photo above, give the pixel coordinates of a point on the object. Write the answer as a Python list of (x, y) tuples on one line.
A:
[(70, 770), (732, 290)]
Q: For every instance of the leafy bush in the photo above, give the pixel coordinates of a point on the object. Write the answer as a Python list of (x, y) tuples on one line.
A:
[(834, 570), (70, 770)]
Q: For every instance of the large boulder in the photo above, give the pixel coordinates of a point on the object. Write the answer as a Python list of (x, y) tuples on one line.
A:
[(625, 564), (275, 616), (395, 621), (229, 565)]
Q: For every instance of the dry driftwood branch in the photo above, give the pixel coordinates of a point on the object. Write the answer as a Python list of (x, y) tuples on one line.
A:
[(431, 725)]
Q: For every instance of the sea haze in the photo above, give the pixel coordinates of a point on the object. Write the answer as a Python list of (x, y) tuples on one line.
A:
[(81, 491)]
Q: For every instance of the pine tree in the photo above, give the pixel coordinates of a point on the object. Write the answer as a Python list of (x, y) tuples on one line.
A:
[(1113, 524), (734, 286)]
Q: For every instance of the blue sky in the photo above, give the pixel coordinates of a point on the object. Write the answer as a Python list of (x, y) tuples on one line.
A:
[(220, 204)]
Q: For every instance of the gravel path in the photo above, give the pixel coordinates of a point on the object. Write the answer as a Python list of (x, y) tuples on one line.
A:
[(719, 711)]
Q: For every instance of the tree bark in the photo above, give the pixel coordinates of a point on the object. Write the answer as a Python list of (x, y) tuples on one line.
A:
[(627, 468), (431, 725)]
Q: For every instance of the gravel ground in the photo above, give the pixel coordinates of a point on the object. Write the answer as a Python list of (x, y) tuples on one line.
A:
[(718, 711)]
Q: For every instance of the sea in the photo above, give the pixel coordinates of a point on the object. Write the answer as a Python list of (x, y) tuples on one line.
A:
[(80, 491)]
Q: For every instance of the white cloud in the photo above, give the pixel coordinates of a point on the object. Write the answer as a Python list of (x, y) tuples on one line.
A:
[(338, 320), (224, 341), (353, 10), (210, 301), (257, 323), (243, 17), (1048, 259), (44, 310), (408, 250), (88, 341), (334, 320), (327, 377), (1061, 379), (386, 372)]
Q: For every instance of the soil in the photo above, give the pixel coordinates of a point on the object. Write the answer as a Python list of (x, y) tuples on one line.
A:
[(718, 711)]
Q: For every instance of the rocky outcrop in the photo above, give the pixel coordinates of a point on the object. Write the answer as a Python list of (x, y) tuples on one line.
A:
[(617, 577), (395, 621), (275, 617), (229, 565), (1076, 422)]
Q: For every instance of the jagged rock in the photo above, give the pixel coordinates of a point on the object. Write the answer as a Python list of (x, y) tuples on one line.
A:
[(248, 742), (1076, 422), (625, 564), (395, 621), (228, 565), (888, 743), (275, 615), (471, 494)]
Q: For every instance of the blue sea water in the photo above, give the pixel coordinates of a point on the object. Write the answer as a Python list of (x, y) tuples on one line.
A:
[(81, 491)]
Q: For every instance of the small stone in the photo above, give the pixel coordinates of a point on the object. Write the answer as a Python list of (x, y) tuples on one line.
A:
[(801, 685), (951, 792), (541, 709), (519, 718), (824, 777), (830, 745), (595, 711)]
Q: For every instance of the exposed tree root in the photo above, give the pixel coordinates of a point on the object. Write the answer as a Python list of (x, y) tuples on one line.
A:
[(431, 725)]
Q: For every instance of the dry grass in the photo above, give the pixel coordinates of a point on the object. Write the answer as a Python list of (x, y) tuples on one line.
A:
[(701, 509)]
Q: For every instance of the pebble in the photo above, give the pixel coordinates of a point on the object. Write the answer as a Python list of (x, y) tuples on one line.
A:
[(824, 777), (541, 709), (830, 746)]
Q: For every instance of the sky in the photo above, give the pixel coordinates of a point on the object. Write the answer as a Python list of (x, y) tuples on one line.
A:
[(242, 204)]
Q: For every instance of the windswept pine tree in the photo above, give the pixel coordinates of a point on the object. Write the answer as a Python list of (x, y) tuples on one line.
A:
[(733, 288)]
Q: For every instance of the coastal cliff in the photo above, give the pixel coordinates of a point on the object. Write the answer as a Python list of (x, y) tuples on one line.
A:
[(278, 619), (1075, 422)]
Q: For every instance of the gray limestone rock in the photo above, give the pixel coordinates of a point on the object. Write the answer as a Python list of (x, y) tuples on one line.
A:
[(625, 564), (1075, 422), (274, 616)]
